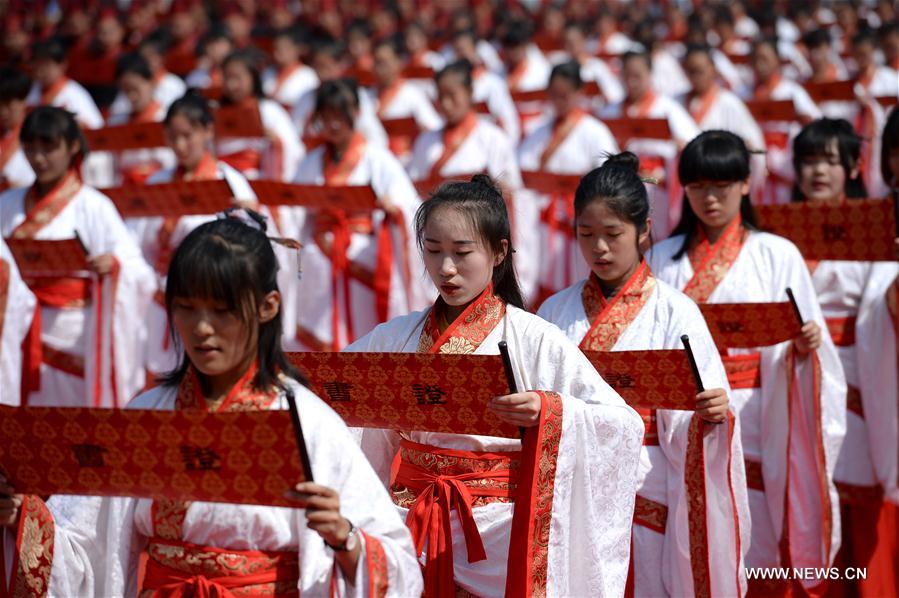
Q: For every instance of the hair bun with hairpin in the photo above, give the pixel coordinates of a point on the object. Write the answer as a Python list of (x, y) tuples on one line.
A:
[(626, 160)]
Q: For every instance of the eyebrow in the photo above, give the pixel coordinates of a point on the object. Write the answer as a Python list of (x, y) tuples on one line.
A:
[(463, 242)]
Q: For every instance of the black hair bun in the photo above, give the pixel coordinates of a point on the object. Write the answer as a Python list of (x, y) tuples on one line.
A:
[(489, 183), (626, 160)]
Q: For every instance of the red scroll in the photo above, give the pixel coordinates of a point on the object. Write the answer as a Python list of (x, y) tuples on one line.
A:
[(125, 137), (773, 110), (359, 198), (180, 198), (735, 325), (49, 259), (625, 129), (550, 184), (857, 230), (410, 391), (401, 127), (831, 91), (243, 457), (234, 121), (648, 379)]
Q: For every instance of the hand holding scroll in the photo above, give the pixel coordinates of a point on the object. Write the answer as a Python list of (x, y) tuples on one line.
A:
[(809, 338), (711, 405), (520, 409)]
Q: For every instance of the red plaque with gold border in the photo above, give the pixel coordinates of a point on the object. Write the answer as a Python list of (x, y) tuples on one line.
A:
[(858, 230), (179, 198), (659, 379), (243, 457), (744, 325), (410, 391)]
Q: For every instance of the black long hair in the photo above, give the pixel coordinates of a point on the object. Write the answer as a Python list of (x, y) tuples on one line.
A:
[(618, 185), (192, 106), (712, 156), (814, 140), (481, 201), (52, 125), (230, 261)]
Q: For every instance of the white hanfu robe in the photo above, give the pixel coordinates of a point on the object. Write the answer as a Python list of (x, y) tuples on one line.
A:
[(17, 305), (15, 171), (490, 88), (574, 146), (659, 157), (610, 89), (286, 87), (167, 87), (793, 420), (339, 305), (405, 99), (648, 315), (474, 146), (274, 157), (851, 293), (584, 552), (531, 74), (98, 540), (79, 369)]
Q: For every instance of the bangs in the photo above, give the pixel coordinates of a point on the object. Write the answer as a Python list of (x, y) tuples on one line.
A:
[(816, 142), (45, 126), (714, 157), (204, 267)]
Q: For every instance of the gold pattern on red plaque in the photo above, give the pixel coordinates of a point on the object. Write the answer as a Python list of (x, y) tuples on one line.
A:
[(244, 457), (659, 379), (857, 230), (747, 325), (410, 391)]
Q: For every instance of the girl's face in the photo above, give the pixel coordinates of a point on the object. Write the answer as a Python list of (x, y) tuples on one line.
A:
[(457, 260), (138, 90), (610, 244), (336, 129), (237, 82), (563, 95), (716, 203), (454, 98), (217, 341), (50, 161), (822, 177), (188, 140), (637, 78)]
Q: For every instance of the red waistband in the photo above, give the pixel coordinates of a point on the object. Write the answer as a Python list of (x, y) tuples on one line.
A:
[(650, 427), (743, 370), (445, 480), (61, 292), (842, 330), (650, 514), (754, 478), (177, 569)]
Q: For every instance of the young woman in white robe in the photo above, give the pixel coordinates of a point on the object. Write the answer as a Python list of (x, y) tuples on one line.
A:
[(689, 488), (790, 397), (224, 304), (288, 78), (827, 158), (17, 305), (15, 171), (589, 484), (91, 341), (771, 84), (189, 131), (135, 82), (657, 157), (275, 156), (471, 144), (573, 142), (356, 267), (396, 97)]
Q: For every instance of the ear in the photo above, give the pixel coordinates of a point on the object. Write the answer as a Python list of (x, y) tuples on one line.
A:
[(499, 257), (854, 172), (643, 238), (744, 187), (74, 148), (269, 307)]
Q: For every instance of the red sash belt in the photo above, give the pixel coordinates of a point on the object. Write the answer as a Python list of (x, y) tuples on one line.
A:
[(176, 569), (650, 514), (243, 160), (754, 478), (778, 139), (61, 293), (859, 495), (842, 331), (854, 401), (444, 480), (743, 370)]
